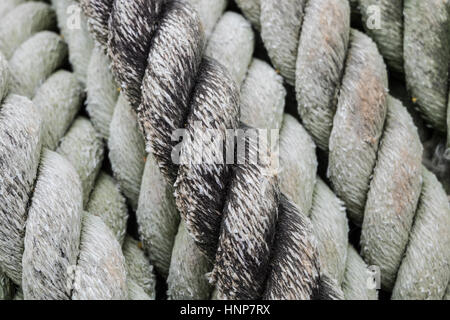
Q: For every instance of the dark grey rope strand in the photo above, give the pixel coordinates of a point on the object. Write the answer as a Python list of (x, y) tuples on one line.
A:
[(156, 52)]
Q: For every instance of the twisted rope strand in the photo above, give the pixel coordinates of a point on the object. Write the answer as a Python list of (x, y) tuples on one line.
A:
[(262, 102), (185, 280), (157, 216), (116, 122), (106, 200), (413, 38), (167, 84), (362, 141)]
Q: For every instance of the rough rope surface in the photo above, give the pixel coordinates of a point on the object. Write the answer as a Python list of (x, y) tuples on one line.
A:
[(49, 246), (173, 252), (176, 90), (413, 38), (262, 103), (106, 200), (374, 150)]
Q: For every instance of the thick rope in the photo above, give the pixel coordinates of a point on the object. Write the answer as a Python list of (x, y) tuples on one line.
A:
[(413, 38), (374, 150), (262, 103), (106, 200), (176, 88), (49, 246), (158, 218)]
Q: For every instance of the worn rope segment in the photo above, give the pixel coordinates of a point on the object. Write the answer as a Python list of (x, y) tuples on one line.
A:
[(188, 266), (157, 216), (176, 91), (50, 249), (231, 34), (166, 244), (262, 104), (413, 39), (374, 150), (166, 241), (156, 213)]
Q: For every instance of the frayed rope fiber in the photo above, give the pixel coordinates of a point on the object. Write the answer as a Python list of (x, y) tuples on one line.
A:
[(373, 146), (156, 51)]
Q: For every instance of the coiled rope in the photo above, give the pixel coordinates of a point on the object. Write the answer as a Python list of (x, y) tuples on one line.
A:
[(172, 92), (49, 247), (374, 150)]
